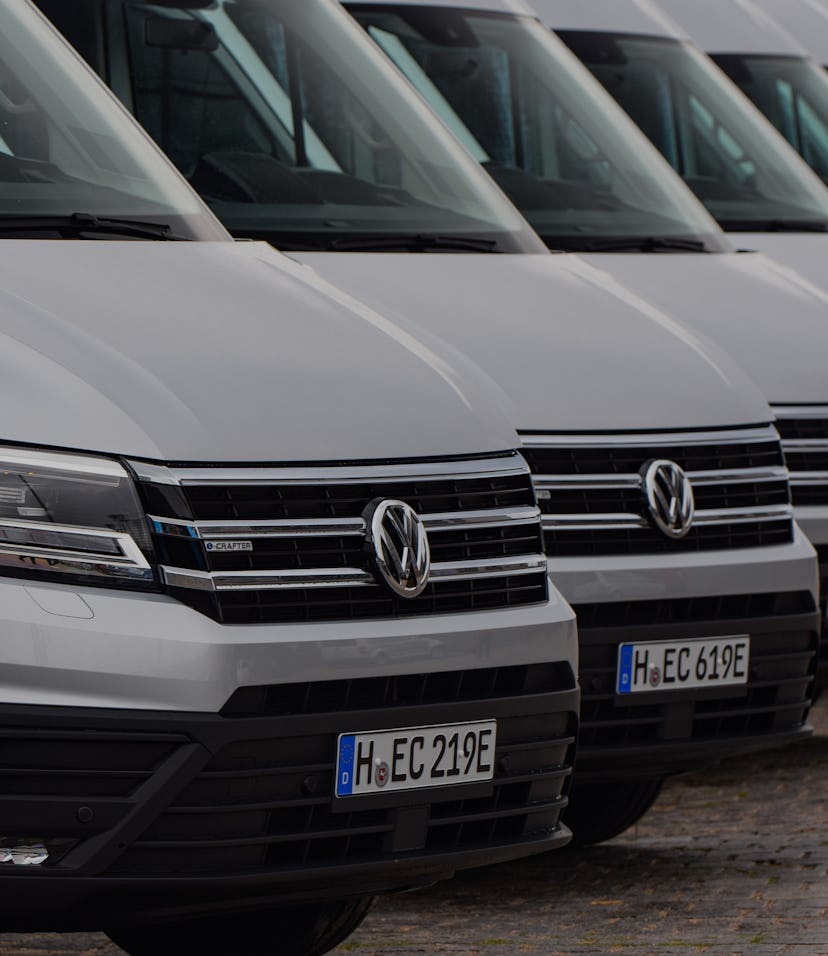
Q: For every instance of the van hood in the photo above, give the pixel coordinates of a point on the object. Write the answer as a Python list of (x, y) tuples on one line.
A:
[(764, 313), (222, 352), (801, 256), (573, 349)]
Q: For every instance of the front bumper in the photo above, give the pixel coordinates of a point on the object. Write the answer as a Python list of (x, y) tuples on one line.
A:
[(769, 593), (814, 522), (182, 813), (178, 766)]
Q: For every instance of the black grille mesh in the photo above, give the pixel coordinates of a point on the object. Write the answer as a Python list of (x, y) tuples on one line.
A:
[(266, 801), (621, 460), (236, 501), (806, 429)]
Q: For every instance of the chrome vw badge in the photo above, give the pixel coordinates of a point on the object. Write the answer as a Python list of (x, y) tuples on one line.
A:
[(400, 546), (669, 497)]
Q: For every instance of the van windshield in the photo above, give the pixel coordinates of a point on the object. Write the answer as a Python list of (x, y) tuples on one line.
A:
[(734, 161), (580, 172), (72, 164), (793, 94), (293, 127)]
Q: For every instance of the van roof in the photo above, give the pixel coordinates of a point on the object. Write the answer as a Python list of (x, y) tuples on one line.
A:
[(806, 20), (731, 26), (640, 17), (494, 6)]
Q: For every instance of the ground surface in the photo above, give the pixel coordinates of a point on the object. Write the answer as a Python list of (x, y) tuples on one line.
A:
[(734, 861)]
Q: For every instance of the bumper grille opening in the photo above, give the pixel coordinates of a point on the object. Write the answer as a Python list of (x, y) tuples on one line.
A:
[(406, 690), (783, 655), (267, 803)]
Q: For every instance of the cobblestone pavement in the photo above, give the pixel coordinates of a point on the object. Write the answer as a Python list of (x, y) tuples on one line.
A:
[(733, 862)]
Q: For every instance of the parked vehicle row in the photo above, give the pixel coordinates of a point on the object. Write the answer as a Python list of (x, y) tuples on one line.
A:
[(296, 531)]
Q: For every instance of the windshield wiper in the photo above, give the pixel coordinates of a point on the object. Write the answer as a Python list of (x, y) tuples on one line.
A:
[(774, 225), (625, 244), (80, 222), (414, 243)]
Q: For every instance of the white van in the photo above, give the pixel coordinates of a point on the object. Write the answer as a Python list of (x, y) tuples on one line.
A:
[(589, 181), (297, 130), (769, 66), (740, 167), (277, 632)]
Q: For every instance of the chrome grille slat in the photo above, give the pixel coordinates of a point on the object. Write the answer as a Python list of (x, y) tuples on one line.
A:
[(735, 436), (506, 464), (698, 478), (353, 577), (711, 517), (327, 527)]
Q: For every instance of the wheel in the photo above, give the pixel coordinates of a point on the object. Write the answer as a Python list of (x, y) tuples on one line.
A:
[(600, 811), (304, 930)]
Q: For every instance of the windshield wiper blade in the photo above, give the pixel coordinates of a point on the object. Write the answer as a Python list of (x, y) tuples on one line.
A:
[(79, 222), (774, 225), (630, 243), (412, 243)]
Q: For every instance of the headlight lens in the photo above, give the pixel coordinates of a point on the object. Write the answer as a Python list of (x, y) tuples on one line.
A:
[(71, 517)]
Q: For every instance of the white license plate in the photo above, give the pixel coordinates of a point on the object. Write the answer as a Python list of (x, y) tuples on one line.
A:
[(414, 758), (675, 665)]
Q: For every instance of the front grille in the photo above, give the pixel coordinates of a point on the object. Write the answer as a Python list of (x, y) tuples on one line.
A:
[(265, 800), (261, 545), (804, 431), (590, 490), (783, 654)]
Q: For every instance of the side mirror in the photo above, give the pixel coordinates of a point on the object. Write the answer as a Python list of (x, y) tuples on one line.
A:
[(180, 34)]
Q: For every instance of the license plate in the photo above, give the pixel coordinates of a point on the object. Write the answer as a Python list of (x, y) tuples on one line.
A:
[(415, 758), (674, 665)]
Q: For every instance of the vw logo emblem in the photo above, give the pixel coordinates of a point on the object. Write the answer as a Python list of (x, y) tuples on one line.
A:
[(669, 497), (400, 546)]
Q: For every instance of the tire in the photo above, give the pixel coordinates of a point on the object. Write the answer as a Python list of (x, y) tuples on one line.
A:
[(304, 930), (600, 811)]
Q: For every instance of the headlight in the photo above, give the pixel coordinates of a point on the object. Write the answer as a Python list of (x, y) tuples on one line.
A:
[(71, 518)]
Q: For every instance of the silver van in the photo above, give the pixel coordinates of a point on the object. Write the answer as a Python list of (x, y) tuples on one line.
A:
[(277, 630)]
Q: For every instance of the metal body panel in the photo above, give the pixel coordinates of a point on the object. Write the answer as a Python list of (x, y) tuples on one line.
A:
[(731, 26), (600, 580), (151, 652), (632, 16), (518, 7), (765, 314), (219, 352), (798, 256), (805, 20), (536, 323)]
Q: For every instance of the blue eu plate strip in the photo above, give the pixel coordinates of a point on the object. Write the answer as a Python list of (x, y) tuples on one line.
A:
[(625, 666), (345, 766)]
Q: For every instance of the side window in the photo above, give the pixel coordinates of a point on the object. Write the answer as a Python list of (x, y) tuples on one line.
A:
[(477, 83), (644, 92), (338, 132), (814, 135), (723, 150), (183, 96), (785, 119), (81, 22)]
